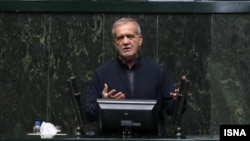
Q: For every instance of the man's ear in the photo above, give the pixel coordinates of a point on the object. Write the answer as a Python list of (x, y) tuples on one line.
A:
[(140, 40)]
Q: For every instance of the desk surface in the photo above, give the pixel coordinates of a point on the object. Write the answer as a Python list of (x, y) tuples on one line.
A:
[(109, 138)]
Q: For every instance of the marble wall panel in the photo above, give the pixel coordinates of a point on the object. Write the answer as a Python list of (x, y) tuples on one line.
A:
[(24, 77), (183, 47), (229, 69), (40, 51)]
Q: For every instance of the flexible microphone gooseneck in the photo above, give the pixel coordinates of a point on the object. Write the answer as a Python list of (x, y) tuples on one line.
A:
[(76, 101), (180, 106)]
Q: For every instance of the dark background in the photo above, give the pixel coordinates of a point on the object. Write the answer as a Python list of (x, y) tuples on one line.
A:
[(43, 43)]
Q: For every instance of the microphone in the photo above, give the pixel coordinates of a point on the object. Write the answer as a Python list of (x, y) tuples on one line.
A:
[(72, 85), (183, 86), (75, 97), (180, 106)]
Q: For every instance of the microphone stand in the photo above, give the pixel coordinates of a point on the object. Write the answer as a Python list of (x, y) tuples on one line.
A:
[(180, 107), (75, 97)]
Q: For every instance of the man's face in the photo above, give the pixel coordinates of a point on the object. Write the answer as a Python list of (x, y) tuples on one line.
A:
[(126, 40)]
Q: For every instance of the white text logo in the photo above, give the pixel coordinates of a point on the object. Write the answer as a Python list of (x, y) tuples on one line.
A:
[(234, 132)]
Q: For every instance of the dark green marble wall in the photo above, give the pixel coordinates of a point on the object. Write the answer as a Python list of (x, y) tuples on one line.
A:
[(40, 51), (228, 69)]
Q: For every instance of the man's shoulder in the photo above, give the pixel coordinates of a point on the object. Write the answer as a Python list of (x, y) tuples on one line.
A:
[(150, 62), (106, 65)]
